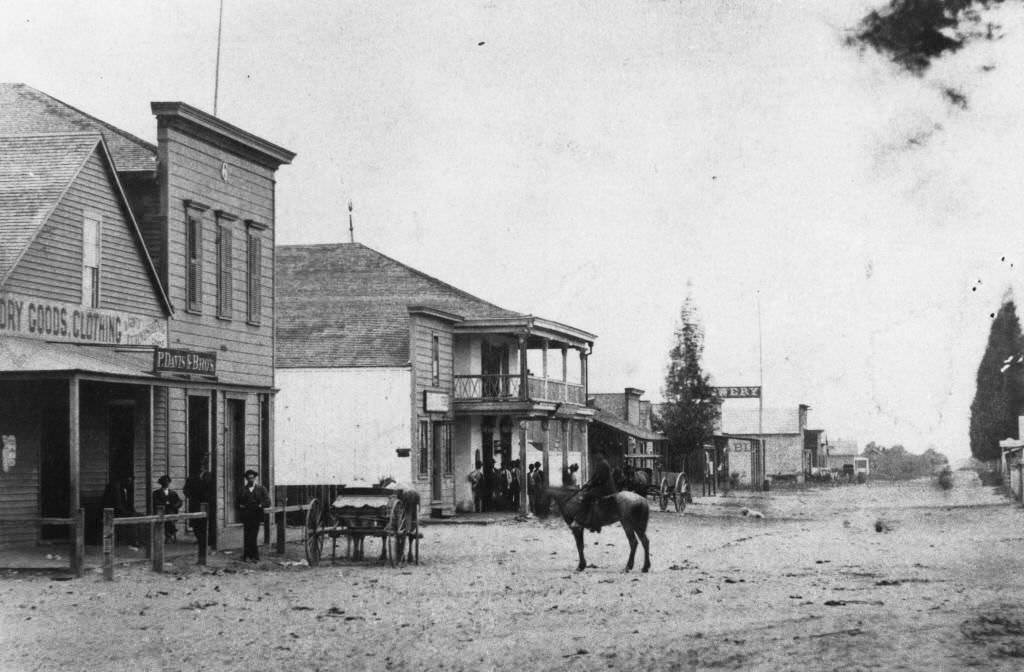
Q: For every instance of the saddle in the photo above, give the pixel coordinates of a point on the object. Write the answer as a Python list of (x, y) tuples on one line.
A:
[(597, 512)]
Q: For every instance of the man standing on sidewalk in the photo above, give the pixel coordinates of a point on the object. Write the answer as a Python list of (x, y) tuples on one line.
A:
[(251, 501)]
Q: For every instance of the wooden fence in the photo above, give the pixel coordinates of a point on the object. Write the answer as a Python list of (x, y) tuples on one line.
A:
[(156, 537)]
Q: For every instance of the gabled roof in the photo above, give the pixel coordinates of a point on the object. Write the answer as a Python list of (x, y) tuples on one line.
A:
[(620, 425), (24, 110), (346, 305), (35, 173)]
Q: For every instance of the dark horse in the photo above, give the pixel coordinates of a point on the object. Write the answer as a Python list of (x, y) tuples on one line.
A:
[(627, 508)]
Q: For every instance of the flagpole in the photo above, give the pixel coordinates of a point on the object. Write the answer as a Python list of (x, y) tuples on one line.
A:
[(760, 366), (216, 74)]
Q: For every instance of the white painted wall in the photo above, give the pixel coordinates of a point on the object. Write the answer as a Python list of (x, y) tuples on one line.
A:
[(341, 425)]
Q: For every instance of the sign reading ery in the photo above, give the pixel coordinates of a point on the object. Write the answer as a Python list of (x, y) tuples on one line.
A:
[(740, 392)]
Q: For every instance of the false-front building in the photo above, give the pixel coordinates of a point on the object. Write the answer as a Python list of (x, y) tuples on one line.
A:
[(136, 308), (386, 371)]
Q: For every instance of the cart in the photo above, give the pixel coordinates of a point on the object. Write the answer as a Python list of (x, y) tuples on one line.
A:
[(675, 488), (357, 513)]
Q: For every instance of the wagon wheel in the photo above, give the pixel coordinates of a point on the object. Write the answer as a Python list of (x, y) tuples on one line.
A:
[(314, 533), (680, 500), (663, 496), (396, 533)]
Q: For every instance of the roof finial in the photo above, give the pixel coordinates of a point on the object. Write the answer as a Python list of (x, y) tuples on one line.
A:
[(351, 231)]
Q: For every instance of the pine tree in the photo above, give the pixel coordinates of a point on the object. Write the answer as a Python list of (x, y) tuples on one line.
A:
[(691, 409), (1000, 385)]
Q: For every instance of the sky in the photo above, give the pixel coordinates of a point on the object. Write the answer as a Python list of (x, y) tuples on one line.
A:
[(845, 229)]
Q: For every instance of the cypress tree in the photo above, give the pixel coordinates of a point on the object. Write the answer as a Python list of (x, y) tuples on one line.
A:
[(691, 409), (1000, 385)]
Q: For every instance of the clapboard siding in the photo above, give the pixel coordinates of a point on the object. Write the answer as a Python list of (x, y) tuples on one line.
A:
[(193, 170), (21, 416), (52, 264), (422, 331)]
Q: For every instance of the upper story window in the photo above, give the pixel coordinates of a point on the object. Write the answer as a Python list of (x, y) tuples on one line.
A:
[(194, 256), (435, 361), (92, 223), (254, 272), (225, 286)]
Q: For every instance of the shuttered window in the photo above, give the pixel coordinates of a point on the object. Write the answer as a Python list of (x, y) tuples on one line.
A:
[(92, 222), (254, 276), (224, 266), (193, 263)]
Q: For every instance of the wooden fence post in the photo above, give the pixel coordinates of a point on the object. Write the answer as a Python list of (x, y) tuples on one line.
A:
[(156, 536), (201, 532), (281, 525), (78, 547), (108, 544)]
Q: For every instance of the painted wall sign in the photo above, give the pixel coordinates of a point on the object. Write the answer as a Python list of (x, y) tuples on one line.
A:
[(740, 446), (185, 361), (436, 402), (738, 392), (72, 323)]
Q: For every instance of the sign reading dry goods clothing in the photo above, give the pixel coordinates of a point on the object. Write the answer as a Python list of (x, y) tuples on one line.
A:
[(72, 323), (185, 361), (747, 392)]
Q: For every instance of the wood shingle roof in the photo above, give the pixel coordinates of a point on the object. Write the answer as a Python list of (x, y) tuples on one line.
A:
[(346, 305), (25, 110)]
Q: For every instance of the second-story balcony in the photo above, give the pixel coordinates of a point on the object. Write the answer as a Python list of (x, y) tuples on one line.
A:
[(508, 387)]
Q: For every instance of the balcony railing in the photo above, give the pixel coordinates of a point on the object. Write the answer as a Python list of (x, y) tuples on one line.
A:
[(497, 387)]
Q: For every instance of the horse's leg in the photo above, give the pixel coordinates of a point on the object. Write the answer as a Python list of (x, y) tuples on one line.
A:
[(631, 538), (647, 550), (577, 533)]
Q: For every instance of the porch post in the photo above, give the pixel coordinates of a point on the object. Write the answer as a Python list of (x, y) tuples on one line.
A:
[(149, 451), (583, 375), (524, 383), (565, 375), (545, 460), (564, 439), (523, 494), (544, 369), (74, 448)]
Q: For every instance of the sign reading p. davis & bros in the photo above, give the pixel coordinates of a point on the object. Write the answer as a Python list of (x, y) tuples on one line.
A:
[(185, 361)]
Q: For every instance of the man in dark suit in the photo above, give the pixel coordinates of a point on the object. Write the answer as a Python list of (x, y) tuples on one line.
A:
[(200, 488), (171, 502), (251, 501), (600, 485)]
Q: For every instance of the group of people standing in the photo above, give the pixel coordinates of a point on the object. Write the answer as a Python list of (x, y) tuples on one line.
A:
[(499, 487)]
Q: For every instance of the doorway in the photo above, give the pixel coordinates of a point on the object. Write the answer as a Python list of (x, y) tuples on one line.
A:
[(121, 442), (199, 449), (55, 472), (234, 446)]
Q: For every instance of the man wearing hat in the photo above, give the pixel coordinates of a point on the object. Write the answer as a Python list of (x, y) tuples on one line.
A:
[(169, 499), (251, 501)]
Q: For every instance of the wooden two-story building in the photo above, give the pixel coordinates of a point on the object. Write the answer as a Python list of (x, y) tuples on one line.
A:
[(386, 371), (136, 294)]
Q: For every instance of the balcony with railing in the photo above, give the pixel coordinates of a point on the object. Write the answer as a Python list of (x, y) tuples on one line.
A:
[(507, 387)]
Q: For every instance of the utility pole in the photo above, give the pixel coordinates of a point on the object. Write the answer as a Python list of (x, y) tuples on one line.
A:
[(216, 74)]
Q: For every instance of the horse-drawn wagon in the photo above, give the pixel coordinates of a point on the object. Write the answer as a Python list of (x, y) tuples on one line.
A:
[(662, 487), (388, 513)]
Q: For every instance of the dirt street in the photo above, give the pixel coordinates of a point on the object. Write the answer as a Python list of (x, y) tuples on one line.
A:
[(876, 576)]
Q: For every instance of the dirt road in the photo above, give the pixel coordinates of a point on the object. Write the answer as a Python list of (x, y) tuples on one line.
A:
[(849, 578)]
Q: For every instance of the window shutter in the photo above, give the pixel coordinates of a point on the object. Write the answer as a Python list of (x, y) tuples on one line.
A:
[(224, 303), (193, 280), (255, 278)]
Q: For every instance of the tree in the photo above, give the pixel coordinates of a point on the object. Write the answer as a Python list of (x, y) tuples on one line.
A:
[(1000, 386), (691, 409)]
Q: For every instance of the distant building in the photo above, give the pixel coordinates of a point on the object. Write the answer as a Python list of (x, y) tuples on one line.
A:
[(782, 431)]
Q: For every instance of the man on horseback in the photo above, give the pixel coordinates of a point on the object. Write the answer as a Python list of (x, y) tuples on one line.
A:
[(599, 486)]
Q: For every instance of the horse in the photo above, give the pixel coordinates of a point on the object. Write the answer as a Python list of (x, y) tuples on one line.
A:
[(625, 507), (405, 519)]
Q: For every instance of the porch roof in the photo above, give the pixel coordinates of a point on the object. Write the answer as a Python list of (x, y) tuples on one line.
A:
[(620, 425), (26, 356)]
